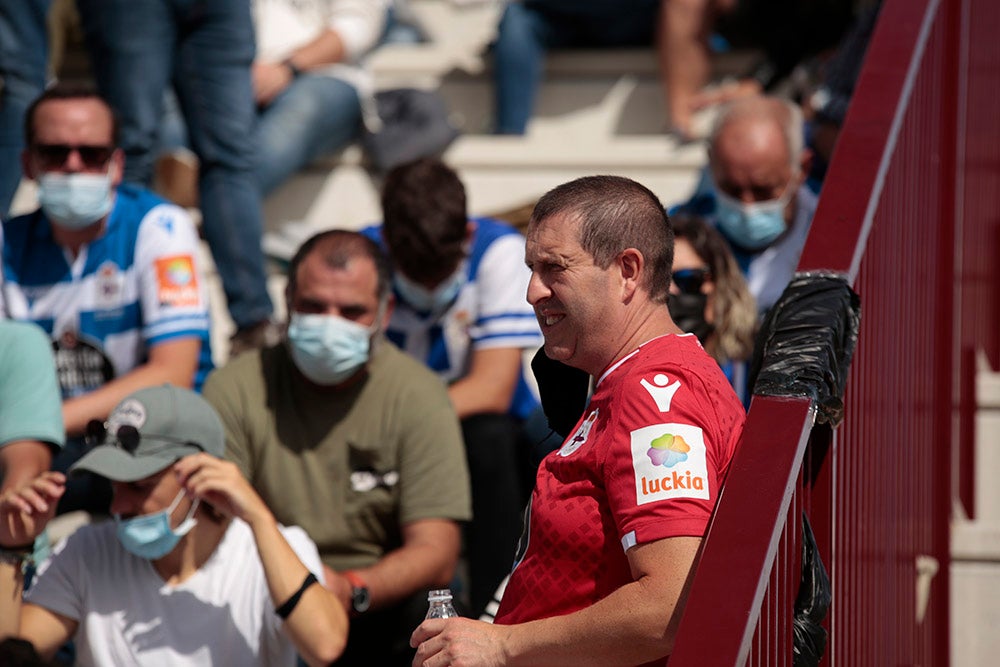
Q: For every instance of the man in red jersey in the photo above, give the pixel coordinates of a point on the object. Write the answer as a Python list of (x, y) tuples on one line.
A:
[(618, 513)]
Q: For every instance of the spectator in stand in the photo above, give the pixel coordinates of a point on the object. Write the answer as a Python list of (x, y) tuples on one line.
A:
[(110, 271), (786, 30), (459, 285), (529, 28), (31, 426), (205, 48), (709, 297), (311, 89), (758, 198), (618, 513), (346, 436), (23, 55), (194, 570)]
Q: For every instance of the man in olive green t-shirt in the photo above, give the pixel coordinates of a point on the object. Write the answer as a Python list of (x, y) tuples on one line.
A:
[(354, 441)]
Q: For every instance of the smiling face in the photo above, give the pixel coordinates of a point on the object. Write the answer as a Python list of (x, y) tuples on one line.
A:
[(573, 298)]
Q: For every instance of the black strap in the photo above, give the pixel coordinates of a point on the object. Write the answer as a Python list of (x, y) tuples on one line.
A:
[(284, 610)]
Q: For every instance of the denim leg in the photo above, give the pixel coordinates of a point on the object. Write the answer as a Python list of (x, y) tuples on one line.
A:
[(131, 45), (315, 115), (23, 53), (518, 59), (212, 80)]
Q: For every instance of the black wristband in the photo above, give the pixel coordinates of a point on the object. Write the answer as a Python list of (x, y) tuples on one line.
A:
[(287, 62), (284, 610)]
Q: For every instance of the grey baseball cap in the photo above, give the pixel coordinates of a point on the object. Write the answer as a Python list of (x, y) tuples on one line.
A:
[(150, 430)]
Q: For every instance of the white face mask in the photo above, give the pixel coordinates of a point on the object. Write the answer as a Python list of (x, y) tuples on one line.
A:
[(329, 349), (75, 201)]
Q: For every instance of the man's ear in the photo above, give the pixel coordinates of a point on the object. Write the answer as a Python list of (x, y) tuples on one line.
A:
[(630, 263), (117, 170), (805, 163), (27, 165)]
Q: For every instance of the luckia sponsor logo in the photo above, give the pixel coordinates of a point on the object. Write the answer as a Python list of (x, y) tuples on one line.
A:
[(669, 462)]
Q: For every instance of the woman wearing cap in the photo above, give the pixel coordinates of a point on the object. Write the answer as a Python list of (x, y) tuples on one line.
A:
[(194, 570)]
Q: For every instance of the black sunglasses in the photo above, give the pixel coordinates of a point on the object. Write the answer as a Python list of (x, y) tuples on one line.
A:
[(127, 437), (53, 156), (689, 281)]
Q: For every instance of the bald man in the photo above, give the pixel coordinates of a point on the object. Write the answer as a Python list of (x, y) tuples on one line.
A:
[(758, 167)]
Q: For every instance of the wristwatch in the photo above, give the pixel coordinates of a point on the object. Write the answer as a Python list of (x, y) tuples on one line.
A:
[(361, 599)]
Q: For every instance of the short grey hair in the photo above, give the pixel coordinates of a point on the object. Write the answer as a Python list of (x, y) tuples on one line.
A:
[(787, 114)]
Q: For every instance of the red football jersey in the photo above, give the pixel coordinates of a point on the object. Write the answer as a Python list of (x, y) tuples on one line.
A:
[(646, 462)]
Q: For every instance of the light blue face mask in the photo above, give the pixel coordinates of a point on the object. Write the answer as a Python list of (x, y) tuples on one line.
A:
[(424, 300), (75, 201), (328, 349), (752, 226), (150, 536)]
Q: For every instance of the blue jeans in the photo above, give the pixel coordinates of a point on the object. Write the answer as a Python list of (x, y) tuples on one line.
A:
[(315, 115), (527, 30), (205, 48), (23, 54)]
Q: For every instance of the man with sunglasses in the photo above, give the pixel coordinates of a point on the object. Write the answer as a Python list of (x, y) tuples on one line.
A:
[(194, 569), (111, 272)]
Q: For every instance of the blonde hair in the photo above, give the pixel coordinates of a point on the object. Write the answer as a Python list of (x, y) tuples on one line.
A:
[(733, 306)]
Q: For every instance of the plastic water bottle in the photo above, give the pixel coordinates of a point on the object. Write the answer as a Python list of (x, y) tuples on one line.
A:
[(439, 604)]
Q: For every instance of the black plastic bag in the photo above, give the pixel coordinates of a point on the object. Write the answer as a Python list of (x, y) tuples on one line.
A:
[(811, 604), (806, 343)]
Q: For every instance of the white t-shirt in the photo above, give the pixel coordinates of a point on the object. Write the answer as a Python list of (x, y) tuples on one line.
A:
[(223, 615)]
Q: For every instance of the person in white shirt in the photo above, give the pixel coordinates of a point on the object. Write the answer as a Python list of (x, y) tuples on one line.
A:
[(194, 570)]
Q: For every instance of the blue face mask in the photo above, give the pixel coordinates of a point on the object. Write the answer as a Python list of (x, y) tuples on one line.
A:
[(150, 536), (752, 226), (75, 201), (328, 349), (424, 300)]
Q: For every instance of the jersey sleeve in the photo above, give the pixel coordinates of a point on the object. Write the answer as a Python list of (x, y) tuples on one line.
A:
[(171, 283), (668, 457), (505, 319), (30, 402)]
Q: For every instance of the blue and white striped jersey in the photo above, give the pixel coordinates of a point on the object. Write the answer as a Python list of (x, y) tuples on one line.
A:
[(490, 311), (136, 286)]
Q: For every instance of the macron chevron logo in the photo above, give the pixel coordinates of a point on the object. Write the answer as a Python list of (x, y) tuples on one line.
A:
[(661, 391)]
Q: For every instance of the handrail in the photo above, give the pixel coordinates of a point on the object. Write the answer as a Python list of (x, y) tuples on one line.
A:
[(728, 588)]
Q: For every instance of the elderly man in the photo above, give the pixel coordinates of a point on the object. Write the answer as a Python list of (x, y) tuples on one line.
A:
[(194, 570), (758, 199), (618, 513), (111, 272), (345, 435)]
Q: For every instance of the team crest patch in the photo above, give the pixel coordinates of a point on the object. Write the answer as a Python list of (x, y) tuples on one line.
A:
[(177, 281), (669, 461), (581, 435), (110, 285)]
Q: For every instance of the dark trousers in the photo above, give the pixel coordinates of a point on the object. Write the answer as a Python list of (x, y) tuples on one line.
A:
[(497, 457)]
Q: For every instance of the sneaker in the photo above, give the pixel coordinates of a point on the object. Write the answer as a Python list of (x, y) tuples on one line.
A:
[(282, 244), (255, 337)]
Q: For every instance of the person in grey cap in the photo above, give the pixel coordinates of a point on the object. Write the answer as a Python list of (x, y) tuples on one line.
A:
[(194, 569)]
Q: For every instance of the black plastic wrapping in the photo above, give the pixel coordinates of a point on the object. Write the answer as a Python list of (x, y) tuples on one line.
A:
[(807, 341), (811, 604), (563, 391)]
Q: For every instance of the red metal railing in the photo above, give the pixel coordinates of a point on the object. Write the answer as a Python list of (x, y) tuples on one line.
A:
[(910, 215)]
